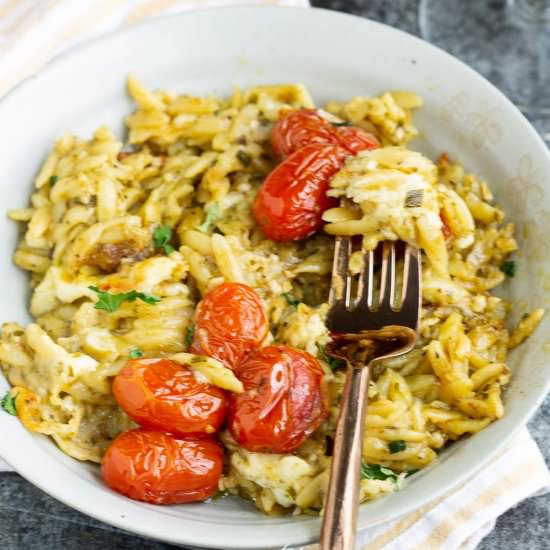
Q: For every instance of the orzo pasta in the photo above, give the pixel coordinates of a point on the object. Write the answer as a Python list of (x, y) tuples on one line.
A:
[(123, 239)]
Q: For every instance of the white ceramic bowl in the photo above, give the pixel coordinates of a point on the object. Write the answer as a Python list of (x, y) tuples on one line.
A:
[(336, 56)]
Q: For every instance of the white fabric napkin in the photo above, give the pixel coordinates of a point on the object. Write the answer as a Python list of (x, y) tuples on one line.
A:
[(460, 519), (33, 31)]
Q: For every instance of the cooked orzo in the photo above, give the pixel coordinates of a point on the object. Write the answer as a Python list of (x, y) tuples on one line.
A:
[(124, 239)]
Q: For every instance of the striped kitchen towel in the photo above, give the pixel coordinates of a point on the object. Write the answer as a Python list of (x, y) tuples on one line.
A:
[(461, 518), (34, 31)]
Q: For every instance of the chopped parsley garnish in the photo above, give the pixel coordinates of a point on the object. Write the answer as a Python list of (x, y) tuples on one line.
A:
[(509, 268), (376, 471), (397, 446), (333, 363), (212, 213), (292, 300), (53, 180), (111, 302), (244, 158), (7, 403), (189, 333), (161, 237), (136, 353), (343, 123)]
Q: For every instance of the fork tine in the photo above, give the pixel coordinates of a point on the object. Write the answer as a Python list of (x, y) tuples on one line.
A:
[(411, 296), (366, 277), (387, 275), (340, 289)]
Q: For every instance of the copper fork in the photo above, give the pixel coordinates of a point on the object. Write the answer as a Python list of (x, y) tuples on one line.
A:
[(365, 333)]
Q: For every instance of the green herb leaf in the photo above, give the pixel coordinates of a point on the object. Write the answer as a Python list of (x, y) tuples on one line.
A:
[(343, 123), (212, 214), (107, 301), (292, 300), (111, 302), (189, 334), (161, 238), (244, 158), (411, 472), (333, 363), (147, 298), (53, 180), (7, 403), (397, 446), (219, 494), (376, 471), (136, 353), (509, 268)]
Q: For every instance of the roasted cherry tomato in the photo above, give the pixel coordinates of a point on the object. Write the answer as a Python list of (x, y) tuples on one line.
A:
[(230, 322), (299, 128), (165, 395), (162, 469), (306, 126), (291, 201), (285, 399), (354, 139)]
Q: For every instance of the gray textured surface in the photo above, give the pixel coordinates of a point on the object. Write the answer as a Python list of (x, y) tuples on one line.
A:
[(31, 520)]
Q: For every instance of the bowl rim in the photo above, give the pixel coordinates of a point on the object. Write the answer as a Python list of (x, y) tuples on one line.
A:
[(18, 460)]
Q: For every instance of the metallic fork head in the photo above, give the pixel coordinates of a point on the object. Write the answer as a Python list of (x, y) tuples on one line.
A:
[(355, 314)]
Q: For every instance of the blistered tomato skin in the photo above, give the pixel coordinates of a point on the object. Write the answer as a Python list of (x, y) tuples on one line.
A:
[(299, 128), (305, 127), (164, 395), (291, 201), (355, 140), (159, 468), (284, 401), (230, 323)]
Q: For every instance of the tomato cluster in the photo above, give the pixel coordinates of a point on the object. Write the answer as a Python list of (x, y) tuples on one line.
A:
[(292, 199), (173, 457)]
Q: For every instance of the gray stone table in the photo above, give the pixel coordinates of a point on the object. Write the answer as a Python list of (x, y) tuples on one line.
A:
[(31, 520)]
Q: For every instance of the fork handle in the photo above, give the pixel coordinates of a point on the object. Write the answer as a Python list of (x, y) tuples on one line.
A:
[(342, 500)]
